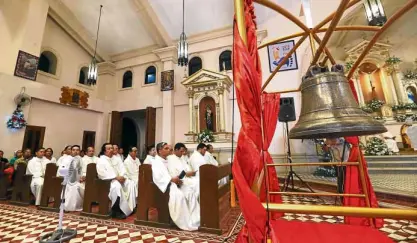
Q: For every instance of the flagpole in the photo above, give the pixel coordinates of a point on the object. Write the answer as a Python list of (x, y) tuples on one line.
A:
[(240, 20)]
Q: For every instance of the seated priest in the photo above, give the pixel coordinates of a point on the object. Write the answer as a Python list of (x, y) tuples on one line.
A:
[(150, 154), (70, 167), (183, 209), (87, 159), (132, 165), (197, 158), (122, 190), (176, 166), (208, 156), (36, 168), (66, 152), (8, 168)]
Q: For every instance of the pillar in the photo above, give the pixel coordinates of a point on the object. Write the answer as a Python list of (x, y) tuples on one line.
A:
[(168, 57), (190, 110), (391, 87), (22, 24), (385, 88), (399, 88), (106, 83), (358, 87), (221, 101)]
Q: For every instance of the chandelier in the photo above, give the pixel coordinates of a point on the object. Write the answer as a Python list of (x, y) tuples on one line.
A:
[(182, 44), (92, 68), (374, 12)]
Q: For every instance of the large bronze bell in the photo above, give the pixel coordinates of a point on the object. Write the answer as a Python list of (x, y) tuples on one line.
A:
[(329, 109)]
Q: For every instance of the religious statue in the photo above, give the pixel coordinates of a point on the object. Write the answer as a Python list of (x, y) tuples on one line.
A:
[(209, 118), (403, 131), (410, 95)]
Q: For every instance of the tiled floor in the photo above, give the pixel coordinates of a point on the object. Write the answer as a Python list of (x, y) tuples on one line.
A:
[(20, 224)]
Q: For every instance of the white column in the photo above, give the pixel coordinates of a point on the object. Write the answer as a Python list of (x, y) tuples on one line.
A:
[(358, 87), (391, 86), (399, 88), (190, 111), (168, 58), (221, 98)]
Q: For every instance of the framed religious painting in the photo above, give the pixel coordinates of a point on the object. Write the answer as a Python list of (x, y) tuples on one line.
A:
[(26, 66), (277, 52), (167, 80)]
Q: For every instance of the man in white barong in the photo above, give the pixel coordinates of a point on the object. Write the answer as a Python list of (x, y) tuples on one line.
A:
[(197, 158), (74, 190), (132, 165), (151, 152), (89, 158), (67, 152), (183, 209), (175, 167), (36, 168), (122, 190)]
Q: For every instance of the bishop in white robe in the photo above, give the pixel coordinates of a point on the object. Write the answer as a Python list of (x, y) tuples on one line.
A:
[(122, 190), (132, 165), (36, 168), (185, 213)]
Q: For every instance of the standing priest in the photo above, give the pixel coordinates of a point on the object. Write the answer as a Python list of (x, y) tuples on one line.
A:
[(36, 168), (122, 190), (183, 208)]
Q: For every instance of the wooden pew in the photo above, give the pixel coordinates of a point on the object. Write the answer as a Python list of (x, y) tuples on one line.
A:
[(52, 188), (21, 194), (96, 191), (151, 197), (4, 183), (214, 200)]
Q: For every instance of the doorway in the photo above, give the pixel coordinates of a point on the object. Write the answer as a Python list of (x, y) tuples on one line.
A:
[(33, 139), (129, 134)]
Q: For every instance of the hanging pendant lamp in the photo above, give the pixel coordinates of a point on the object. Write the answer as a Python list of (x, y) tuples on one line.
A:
[(182, 44), (92, 68)]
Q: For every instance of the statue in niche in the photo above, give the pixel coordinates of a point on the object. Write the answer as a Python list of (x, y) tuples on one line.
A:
[(404, 136), (410, 95), (209, 118)]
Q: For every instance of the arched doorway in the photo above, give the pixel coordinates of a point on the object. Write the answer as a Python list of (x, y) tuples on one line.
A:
[(207, 116), (411, 94), (129, 134)]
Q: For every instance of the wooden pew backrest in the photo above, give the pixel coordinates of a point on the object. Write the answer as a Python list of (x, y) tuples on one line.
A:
[(151, 197), (96, 191), (214, 200), (52, 188), (21, 189), (3, 182)]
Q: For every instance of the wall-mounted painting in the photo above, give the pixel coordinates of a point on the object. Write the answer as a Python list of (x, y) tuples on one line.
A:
[(74, 97), (26, 66), (277, 52), (167, 80)]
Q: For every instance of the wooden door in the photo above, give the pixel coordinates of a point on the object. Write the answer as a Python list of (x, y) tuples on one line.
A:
[(116, 128), (89, 139), (207, 105), (33, 139), (150, 126)]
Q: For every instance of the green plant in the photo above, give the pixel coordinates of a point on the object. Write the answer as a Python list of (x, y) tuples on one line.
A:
[(392, 60), (348, 66), (375, 104), (206, 136), (376, 146), (410, 75)]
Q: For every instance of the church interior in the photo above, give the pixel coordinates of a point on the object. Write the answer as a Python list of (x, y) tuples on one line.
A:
[(268, 118)]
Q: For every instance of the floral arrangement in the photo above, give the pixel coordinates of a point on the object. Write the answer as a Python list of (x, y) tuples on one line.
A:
[(402, 118), (402, 106), (376, 146), (348, 66), (375, 104), (392, 60), (379, 118), (17, 121), (410, 75), (367, 109), (206, 136)]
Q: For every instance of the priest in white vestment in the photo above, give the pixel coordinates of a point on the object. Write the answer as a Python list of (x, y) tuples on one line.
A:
[(36, 168), (176, 165), (89, 158), (49, 155), (74, 191), (150, 155), (122, 190), (184, 208), (132, 165), (197, 158), (67, 151), (208, 156)]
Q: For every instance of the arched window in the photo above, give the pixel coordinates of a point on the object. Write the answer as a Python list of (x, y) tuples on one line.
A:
[(225, 61), (127, 79), (150, 75), (48, 62), (82, 78), (194, 65)]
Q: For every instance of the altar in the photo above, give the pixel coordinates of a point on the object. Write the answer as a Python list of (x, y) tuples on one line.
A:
[(207, 103)]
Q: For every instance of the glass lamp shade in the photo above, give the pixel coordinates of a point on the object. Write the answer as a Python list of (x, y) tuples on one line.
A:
[(183, 50), (92, 72), (375, 12)]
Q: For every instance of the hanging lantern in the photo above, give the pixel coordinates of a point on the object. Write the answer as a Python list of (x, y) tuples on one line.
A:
[(182, 44), (375, 12), (92, 72), (92, 69)]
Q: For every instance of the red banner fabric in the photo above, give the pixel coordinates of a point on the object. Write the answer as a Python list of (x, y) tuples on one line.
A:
[(353, 181)]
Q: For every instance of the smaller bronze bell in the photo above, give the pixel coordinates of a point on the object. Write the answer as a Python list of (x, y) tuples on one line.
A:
[(329, 109)]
